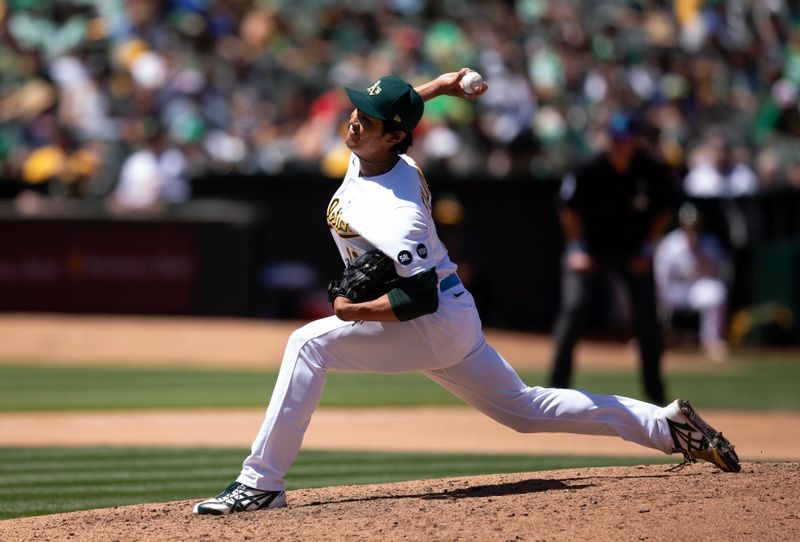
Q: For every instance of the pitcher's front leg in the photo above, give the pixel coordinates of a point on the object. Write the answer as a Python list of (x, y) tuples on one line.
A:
[(297, 394)]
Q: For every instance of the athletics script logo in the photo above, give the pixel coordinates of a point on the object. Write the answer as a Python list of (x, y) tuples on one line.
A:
[(376, 89), (335, 221)]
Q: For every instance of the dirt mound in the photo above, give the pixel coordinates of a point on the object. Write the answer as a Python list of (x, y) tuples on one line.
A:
[(618, 503)]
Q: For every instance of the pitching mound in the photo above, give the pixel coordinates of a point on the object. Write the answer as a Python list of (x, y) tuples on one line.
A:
[(619, 503)]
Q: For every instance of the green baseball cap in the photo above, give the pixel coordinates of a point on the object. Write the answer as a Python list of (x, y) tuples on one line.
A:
[(390, 99)]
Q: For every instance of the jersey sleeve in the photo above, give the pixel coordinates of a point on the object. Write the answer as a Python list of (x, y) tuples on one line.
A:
[(403, 235)]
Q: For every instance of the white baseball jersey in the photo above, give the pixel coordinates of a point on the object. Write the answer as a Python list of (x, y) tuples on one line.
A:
[(391, 212)]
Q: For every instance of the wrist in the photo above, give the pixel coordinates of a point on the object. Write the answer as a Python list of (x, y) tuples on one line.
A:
[(576, 245), (342, 306)]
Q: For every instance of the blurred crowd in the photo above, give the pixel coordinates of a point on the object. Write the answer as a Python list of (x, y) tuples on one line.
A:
[(130, 99)]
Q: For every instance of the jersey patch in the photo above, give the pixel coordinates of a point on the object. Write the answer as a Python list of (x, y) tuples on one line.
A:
[(404, 257), (422, 250)]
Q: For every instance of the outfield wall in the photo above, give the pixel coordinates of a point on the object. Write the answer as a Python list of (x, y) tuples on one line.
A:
[(260, 247)]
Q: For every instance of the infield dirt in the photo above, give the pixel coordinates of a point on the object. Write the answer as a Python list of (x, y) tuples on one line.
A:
[(698, 503)]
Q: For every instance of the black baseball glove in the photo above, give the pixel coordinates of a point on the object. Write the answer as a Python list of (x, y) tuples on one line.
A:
[(366, 278)]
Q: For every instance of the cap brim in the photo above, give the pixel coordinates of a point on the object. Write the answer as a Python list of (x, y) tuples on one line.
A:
[(360, 99)]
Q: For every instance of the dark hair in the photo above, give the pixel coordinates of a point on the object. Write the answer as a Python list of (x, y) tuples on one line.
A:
[(403, 145)]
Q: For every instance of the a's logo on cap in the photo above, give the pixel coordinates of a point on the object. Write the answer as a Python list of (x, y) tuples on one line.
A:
[(398, 119), (375, 89)]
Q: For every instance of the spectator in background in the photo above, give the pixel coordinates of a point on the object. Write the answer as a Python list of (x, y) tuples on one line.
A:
[(705, 178), (615, 209), (741, 179), (61, 167), (198, 69), (152, 176), (720, 170), (690, 266)]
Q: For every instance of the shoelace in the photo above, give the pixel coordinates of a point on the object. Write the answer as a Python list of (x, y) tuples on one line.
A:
[(680, 466), (240, 497), (229, 492), (683, 431)]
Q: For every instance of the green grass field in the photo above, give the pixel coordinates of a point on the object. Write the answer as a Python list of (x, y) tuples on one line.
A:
[(751, 384), (42, 481), (37, 481)]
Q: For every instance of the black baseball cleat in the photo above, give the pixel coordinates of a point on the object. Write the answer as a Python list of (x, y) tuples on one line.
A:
[(696, 439), (240, 498)]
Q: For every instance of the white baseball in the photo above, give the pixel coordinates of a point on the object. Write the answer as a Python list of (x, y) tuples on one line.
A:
[(472, 82)]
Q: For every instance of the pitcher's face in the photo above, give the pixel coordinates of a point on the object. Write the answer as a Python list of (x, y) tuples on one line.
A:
[(367, 139)]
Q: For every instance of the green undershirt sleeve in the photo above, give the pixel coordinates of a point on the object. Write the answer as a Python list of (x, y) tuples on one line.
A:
[(415, 296)]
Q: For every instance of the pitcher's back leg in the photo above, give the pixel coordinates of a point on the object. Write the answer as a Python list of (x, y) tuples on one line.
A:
[(487, 382)]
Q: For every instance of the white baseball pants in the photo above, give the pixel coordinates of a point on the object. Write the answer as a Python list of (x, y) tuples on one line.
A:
[(705, 295), (450, 349)]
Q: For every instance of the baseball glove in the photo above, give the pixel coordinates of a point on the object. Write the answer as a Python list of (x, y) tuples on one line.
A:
[(366, 278)]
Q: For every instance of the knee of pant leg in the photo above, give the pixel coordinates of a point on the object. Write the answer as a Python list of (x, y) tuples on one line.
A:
[(516, 424), (301, 345), (297, 339), (514, 410), (306, 333)]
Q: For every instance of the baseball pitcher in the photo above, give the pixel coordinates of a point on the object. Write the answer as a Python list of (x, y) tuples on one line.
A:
[(400, 306)]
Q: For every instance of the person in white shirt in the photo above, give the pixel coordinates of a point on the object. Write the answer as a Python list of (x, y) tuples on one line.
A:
[(427, 323), (704, 179), (689, 266), (741, 179), (152, 176)]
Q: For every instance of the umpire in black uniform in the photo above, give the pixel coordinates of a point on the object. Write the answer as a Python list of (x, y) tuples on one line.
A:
[(614, 209)]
